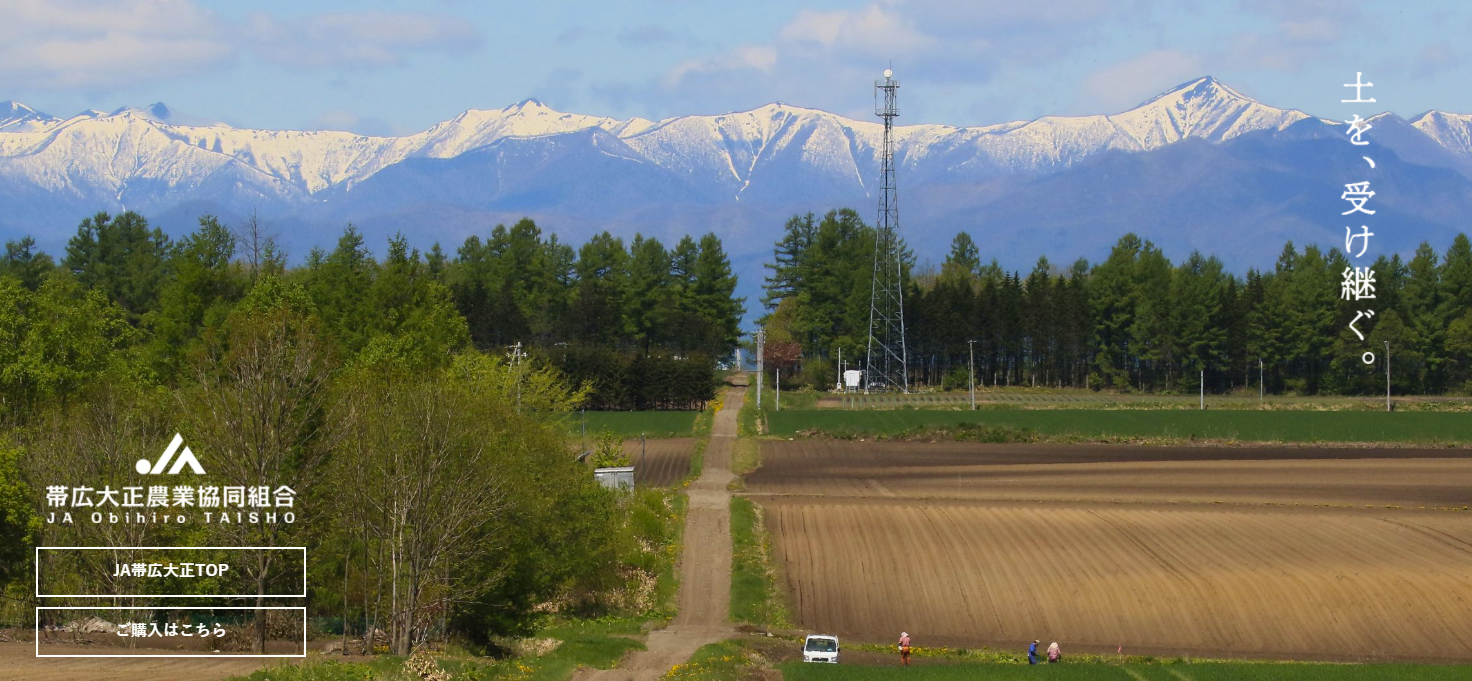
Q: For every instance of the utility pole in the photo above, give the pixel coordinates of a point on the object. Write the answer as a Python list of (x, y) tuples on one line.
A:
[(1387, 375), (840, 368), (971, 368), (1259, 383), (516, 355), (761, 366), (779, 390), (1203, 390)]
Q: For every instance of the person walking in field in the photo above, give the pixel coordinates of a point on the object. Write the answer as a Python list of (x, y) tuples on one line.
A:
[(905, 648), (1054, 652), (1032, 652)]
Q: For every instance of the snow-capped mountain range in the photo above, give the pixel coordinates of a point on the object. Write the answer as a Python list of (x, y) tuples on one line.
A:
[(95, 152), (1061, 186)]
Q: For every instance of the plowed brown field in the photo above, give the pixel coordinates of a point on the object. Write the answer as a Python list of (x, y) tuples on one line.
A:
[(1271, 552), (661, 462)]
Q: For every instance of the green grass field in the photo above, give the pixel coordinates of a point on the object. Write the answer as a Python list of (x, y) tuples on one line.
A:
[(753, 597), (1211, 671), (1266, 426), (632, 423), (1079, 398)]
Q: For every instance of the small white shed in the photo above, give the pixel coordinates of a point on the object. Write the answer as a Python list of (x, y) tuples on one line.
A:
[(617, 477)]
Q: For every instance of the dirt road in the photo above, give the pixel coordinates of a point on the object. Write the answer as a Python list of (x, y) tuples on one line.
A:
[(18, 662), (705, 566)]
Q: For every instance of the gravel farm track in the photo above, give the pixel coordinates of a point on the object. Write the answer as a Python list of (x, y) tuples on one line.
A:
[(18, 662), (1254, 552), (705, 564)]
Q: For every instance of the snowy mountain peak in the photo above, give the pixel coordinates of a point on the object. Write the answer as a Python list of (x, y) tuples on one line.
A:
[(1205, 88), (10, 109), (160, 113), (1452, 131), (1204, 108), (17, 117)]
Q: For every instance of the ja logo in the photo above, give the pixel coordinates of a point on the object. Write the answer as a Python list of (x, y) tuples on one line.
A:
[(146, 467)]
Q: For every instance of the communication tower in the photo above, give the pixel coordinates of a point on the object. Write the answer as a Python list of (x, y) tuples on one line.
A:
[(885, 368)]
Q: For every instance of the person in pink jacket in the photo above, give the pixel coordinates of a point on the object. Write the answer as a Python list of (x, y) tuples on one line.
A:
[(905, 648)]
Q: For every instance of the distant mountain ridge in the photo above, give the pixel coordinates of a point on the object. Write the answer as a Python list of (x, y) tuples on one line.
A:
[(739, 174), (729, 149)]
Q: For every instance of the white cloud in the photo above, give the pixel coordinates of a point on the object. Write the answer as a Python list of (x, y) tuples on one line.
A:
[(746, 58), (362, 39), (866, 30), (351, 122), (823, 57), (96, 45), (72, 44), (1126, 83)]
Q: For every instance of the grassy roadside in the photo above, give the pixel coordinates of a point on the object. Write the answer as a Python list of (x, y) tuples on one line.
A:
[(729, 660), (756, 594), (564, 643), (706, 418), (748, 420), (667, 584), (746, 456), (588, 643), (703, 425), (1207, 671), (1095, 425)]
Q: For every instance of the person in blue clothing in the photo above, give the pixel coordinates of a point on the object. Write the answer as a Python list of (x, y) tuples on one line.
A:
[(1032, 652)]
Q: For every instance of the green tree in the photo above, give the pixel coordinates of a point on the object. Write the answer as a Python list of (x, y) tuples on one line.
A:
[(1113, 300), (121, 258), (23, 262), (19, 524), (1196, 307), (55, 340), (598, 309), (789, 260), (651, 296), (964, 259), (198, 294), (337, 283), (1424, 311), (714, 299)]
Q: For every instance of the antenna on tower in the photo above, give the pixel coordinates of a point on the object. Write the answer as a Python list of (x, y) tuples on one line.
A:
[(885, 368)]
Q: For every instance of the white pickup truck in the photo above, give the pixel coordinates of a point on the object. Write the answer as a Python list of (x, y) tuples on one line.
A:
[(820, 648)]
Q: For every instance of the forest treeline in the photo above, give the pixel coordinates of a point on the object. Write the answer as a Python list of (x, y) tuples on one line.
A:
[(162, 299), (436, 484), (1135, 321)]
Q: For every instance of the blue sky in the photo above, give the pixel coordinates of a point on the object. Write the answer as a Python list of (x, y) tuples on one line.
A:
[(383, 67)]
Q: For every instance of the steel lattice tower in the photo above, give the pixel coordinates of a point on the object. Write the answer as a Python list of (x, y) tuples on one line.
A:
[(886, 365)]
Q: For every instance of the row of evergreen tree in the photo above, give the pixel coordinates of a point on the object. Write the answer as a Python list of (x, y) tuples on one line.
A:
[(518, 286), (162, 299), (1135, 321)]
